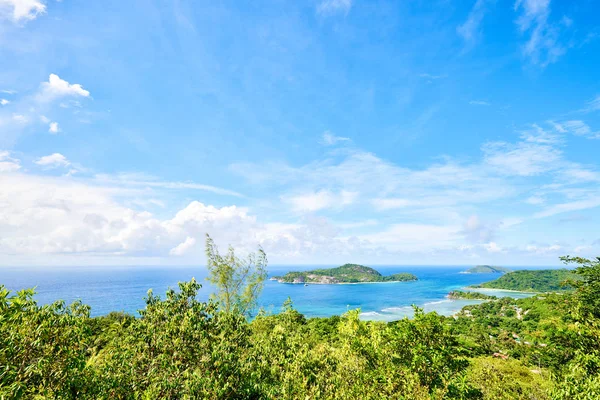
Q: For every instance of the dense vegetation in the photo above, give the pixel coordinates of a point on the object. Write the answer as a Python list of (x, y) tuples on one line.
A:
[(544, 347), (547, 280), (347, 273), (459, 294), (487, 269)]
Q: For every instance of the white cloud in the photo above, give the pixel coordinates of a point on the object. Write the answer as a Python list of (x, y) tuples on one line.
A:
[(479, 103), (577, 205), (330, 139), (326, 7), (510, 221), (432, 77), (20, 118), (535, 200), (360, 224), (523, 158), (391, 203), (593, 105), (21, 10), (4, 102), (493, 247), (56, 88), (446, 193), (133, 180), (310, 202), (533, 9), (70, 104), (543, 46), (558, 127), (408, 237), (439, 208), (7, 91), (578, 174), (581, 249), (53, 161), (32, 110), (536, 134), (56, 215), (580, 128), (555, 248), (183, 247), (53, 127), (440, 193), (476, 231), (7, 163), (469, 30)]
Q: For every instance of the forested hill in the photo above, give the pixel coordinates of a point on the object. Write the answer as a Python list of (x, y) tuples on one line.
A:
[(547, 280), (347, 273), (487, 269)]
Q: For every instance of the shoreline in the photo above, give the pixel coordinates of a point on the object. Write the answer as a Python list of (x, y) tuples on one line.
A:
[(501, 290), (446, 307)]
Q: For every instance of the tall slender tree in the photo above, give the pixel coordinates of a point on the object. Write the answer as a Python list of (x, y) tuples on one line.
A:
[(239, 281)]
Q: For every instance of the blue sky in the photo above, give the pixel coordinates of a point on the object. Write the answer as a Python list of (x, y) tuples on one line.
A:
[(326, 131)]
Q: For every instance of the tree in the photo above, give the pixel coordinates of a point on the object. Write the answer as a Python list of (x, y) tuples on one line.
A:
[(43, 349), (588, 288), (238, 281)]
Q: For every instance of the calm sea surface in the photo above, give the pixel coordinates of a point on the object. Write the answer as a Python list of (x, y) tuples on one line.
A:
[(108, 289)]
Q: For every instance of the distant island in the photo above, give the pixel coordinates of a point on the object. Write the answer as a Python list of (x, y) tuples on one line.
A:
[(461, 295), (487, 269), (546, 280), (347, 273)]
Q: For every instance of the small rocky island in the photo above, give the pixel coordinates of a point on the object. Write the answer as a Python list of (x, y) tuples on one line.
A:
[(347, 273), (487, 269)]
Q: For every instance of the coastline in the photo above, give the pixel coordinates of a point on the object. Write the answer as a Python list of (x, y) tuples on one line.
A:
[(501, 290), (127, 290), (446, 307)]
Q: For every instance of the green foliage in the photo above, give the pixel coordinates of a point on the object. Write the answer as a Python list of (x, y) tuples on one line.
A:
[(459, 294), (588, 285), (544, 347), (43, 350), (500, 379), (548, 280), (347, 273), (179, 348), (238, 281)]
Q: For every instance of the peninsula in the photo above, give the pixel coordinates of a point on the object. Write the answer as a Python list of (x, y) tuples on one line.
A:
[(462, 295), (487, 269), (546, 280), (347, 273)]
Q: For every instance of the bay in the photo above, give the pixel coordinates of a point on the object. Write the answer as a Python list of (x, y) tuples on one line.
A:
[(112, 288)]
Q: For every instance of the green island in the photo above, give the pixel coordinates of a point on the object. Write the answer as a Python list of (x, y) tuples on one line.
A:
[(462, 295), (181, 347), (487, 269), (347, 273), (546, 280)]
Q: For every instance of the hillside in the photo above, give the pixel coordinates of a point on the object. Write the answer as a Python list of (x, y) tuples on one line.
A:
[(462, 295), (547, 280), (487, 269), (347, 273)]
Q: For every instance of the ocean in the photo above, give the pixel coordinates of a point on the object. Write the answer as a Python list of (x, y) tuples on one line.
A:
[(108, 289)]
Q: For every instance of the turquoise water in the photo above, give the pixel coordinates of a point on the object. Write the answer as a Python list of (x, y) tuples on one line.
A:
[(123, 288)]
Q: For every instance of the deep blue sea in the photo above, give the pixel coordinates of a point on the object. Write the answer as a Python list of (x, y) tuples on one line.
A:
[(108, 289)]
